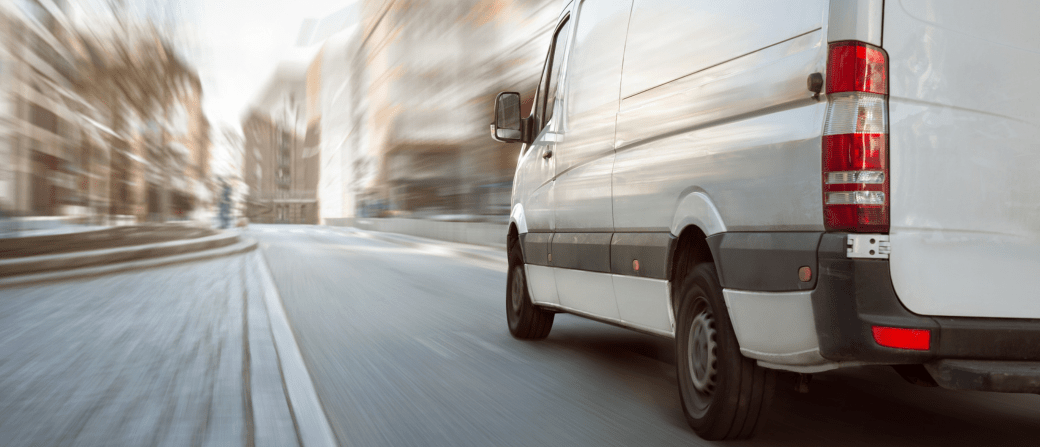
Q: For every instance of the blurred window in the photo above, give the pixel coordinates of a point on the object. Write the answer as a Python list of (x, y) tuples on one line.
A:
[(545, 99), (41, 117)]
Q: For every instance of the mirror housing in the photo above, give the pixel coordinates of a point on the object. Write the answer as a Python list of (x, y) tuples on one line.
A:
[(508, 126)]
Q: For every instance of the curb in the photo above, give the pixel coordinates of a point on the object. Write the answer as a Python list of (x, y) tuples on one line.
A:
[(77, 260), (158, 260), (312, 425)]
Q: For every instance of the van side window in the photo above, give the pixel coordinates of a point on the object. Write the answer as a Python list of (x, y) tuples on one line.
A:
[(538, 111), (555, 64), (547, 85)]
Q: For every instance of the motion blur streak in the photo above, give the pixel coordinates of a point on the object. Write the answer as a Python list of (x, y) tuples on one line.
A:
[(135, 225)]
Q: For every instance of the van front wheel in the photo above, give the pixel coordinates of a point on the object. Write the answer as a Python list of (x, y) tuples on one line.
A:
[(724, 395), (526, 321)]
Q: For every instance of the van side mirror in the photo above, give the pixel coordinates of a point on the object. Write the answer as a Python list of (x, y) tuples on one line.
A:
[(508, 126)]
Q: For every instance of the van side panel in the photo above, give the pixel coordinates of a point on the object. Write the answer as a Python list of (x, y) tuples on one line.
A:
[(855, 20), (585, 151), (965, 156), (669, 39), (745, 133)]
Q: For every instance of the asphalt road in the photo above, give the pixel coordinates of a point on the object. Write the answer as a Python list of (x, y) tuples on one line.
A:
[(408, 346)]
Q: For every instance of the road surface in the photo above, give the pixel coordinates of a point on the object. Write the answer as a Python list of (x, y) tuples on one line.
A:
[(407, 345)]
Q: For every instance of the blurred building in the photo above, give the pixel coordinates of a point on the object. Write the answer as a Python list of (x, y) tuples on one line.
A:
[(336, 106), (51, 164), (71, 145), (177, 156), (281, 161), (405, 95)]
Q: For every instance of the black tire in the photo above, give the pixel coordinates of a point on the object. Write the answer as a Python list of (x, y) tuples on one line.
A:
[(526, 321), (724, 395)]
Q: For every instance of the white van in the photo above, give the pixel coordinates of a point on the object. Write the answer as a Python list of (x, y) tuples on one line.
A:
[(801, 186)]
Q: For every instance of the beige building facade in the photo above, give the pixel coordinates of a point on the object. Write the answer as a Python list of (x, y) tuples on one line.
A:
[(280, 161), (67, 153), (405, 97)]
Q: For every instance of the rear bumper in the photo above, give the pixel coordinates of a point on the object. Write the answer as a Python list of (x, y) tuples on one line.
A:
[(852, 295), (986, 375), (837, 310)]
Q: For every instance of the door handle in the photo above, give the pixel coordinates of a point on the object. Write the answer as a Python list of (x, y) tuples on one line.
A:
[(547, 154)]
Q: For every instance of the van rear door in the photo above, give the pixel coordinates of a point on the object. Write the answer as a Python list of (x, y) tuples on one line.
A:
[(965, 156)]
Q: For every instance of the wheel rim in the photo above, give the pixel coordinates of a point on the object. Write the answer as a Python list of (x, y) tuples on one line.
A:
[(516, 298), (701, 355)]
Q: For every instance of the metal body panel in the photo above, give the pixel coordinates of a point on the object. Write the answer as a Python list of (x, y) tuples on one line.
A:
[(645, 303), (778, 328), (541, 284), (533, 185), (965, 194), (534, 181), (669, 39), (583, 200), (855, 20), (590, 97), (746, 134), (588, 292), (696, 209), (517, 217)]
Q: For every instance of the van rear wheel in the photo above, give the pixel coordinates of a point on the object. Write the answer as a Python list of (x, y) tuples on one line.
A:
[(724, 395), (526, 321)]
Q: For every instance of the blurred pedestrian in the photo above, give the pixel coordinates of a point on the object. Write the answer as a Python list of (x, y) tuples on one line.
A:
[(225, 205)]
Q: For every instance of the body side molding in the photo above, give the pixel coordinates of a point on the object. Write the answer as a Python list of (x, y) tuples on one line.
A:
[(535, 248)]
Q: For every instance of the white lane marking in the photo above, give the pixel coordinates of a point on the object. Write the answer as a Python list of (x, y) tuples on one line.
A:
[(310, 416)]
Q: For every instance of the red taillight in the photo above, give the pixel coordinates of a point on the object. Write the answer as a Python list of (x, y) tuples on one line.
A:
[(855, 152), (893, 337), (857, 67)]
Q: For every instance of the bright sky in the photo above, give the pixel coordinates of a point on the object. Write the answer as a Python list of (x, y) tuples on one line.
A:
[(242, 41)]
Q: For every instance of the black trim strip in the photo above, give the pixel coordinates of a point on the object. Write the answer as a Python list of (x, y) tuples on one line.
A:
[(602, 252), (536, 248), (652, 250), (581, 251), (765, 262), (989, 338)]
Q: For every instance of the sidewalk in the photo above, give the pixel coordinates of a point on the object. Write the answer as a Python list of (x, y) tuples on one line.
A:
[(100, 238), (35, 260), (181, 355)]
